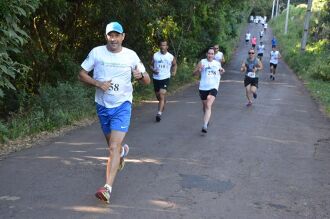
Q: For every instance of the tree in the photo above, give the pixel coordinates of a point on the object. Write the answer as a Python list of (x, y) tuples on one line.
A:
[(12, 39), (306, 25)]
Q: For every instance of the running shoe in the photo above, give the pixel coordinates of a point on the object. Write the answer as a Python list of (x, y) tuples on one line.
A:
[(249, 104), (124, 153), (103, 194), (271, 77), (255, 95), (158, 118), (204, 130)]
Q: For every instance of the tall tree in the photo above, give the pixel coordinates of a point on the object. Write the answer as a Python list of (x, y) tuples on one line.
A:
[(306, 25)]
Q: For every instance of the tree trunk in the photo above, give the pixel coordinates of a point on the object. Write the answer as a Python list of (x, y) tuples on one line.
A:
[(273, 8), (287, 18), (306, 25)]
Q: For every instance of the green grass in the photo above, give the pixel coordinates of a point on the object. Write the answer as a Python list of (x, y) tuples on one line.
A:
[(312, 65)]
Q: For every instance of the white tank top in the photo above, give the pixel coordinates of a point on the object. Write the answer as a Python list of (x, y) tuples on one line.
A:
[(218, 56), (116, 67), (210, 75), (163, 64), (274, 57), (261, 49)]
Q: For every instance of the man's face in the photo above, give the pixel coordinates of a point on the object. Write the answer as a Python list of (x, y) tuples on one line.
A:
[(114, 41), (163, 47), (216, 48), (251, 53)]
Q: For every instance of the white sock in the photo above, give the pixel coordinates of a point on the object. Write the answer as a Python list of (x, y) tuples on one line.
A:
[(205, 125), (159, 113), (108, 187)]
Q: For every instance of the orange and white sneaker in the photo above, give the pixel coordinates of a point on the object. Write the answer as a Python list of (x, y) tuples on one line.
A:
[(103, 194)]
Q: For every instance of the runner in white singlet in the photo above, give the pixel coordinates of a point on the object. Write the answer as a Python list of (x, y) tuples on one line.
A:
[(210, 72), (163, 65), (218, 55)]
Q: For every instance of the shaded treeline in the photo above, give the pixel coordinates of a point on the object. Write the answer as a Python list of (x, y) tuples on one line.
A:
[(44, 41)]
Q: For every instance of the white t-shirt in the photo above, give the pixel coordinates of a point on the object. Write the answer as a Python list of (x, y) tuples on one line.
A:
[(210, 75), (274, 55), (247, 36), (116, 67), (218, 56), (260, 49), (163, 64)]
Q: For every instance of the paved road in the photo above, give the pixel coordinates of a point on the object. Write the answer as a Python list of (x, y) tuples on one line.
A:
[(267, 161)]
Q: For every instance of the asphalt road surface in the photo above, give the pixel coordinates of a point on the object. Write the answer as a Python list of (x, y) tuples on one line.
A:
[(270, 160)]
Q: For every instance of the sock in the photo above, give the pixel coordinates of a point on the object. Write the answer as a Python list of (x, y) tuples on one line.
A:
[(109, 188), (159, 113), (205, 125)]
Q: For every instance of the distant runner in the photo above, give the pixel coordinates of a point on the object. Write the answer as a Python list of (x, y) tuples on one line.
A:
[(254, 42), (250, 67), (247, 37), (260, 50), (274, 57), (218, 55)]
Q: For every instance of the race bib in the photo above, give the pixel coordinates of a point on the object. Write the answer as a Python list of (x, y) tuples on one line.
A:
[(251, 74), (210, 72), (118, 86)]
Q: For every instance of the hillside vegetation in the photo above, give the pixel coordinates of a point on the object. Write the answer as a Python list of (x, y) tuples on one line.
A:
[(313, 64)]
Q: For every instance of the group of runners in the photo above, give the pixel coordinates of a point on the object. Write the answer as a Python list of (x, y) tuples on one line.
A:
[(114, 66), (253, 65)]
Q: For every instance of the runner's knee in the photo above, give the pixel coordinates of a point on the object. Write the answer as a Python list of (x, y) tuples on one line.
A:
[(114, 147)]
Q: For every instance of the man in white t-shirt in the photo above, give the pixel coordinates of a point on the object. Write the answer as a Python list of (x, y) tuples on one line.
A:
[(113, 67), (210, 72), (218, 56), (274, 57), (163, 65), (247, 37)]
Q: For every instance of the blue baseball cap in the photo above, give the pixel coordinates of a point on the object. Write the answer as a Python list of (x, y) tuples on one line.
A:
[(114, 26)]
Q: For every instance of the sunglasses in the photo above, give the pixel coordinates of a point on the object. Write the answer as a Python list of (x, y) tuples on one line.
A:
[(251, 53)]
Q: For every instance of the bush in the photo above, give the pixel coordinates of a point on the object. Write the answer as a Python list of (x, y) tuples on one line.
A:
[(52, 108), (321, 69), (3, 132)]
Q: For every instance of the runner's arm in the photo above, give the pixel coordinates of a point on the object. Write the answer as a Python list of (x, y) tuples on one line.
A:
[(174, 67), (152, 67), (260, 66), (198, 69), (223, 59), (84, 77), (142, 77), (243, 67)]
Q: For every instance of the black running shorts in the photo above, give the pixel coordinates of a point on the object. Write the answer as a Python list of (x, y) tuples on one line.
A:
[(161, 84), (204, 93), (252, 81), (272, 64)]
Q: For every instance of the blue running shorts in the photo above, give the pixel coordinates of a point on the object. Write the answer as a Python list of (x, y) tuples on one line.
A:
[(117, 118)]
